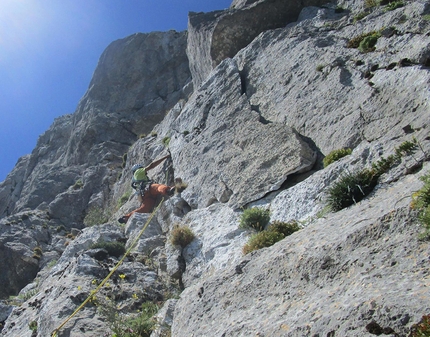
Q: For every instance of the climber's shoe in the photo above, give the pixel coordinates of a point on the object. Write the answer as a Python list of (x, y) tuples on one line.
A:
[(122, 219), (171, 191)]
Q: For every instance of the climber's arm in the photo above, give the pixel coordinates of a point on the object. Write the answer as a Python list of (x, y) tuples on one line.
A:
[(156, 163)]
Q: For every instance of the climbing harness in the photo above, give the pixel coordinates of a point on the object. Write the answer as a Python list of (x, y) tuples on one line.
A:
[(143, 187), (93, 293)]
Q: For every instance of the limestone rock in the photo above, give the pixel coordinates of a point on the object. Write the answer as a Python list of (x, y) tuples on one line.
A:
[(175, 264), (59, 292), (215, 36), (334, 95), (136, 81), (19, 267), (5, 311), (247, 136), (23, 239), (333, 277), (12, 185), (150, 239), (241, 3), (164, 319), (221, 146), (218, 242)]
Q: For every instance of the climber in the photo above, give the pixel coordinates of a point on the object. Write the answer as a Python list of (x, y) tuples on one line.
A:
[(147, 191)]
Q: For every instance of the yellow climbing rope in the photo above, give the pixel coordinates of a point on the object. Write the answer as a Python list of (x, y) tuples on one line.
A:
[(55, 332)]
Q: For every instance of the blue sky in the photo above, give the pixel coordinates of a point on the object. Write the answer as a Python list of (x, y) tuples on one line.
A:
[(49, 50)]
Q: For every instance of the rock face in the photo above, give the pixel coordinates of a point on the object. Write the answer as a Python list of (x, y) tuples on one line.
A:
[(229, 143), (252, 132), (23, 240), (212, 37), (339, 96), (138, 79), (77, 161), (319, 281)]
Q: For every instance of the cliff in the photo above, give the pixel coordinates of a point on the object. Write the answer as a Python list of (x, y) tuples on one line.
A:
[(248, 102)]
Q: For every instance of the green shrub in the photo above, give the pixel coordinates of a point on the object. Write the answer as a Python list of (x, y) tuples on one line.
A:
[(37, 253), (33, 326), (144, 324), (140, 325), (335, 155), (52, 263), (274, 233), (261, 240), (27, 295), (124, 198), (353, 187), (181, 236), (383, 165), (124, 160), (422, 329), (421, 199), (350, 189), (371, 3), (166, 141), (256, 218), (114, 248), (368, 43), (394, 5), (406, 148), (360, 16), (284, 228), (37, 250), (421, 202), (95, 216), (355, 42), (78, 184), (60, 228), (424, 219)]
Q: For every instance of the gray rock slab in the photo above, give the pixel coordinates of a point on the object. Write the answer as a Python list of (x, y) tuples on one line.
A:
[(215, 36), (336, 276), (230, 154)]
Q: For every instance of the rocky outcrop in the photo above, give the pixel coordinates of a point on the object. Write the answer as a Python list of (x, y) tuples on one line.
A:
[(215, 36), (222, 140), (23, 240), (346, 275), (77, 161), (253, 134), (350, 96)]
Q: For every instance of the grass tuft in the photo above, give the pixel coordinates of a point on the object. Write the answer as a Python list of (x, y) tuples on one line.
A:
[(181, 236), (335, 155), (256, 218)]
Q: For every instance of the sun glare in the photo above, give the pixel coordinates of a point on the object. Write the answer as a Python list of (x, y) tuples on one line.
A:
[(22, 23)]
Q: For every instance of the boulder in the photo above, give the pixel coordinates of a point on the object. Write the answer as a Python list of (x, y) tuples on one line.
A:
[(24, 237)]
